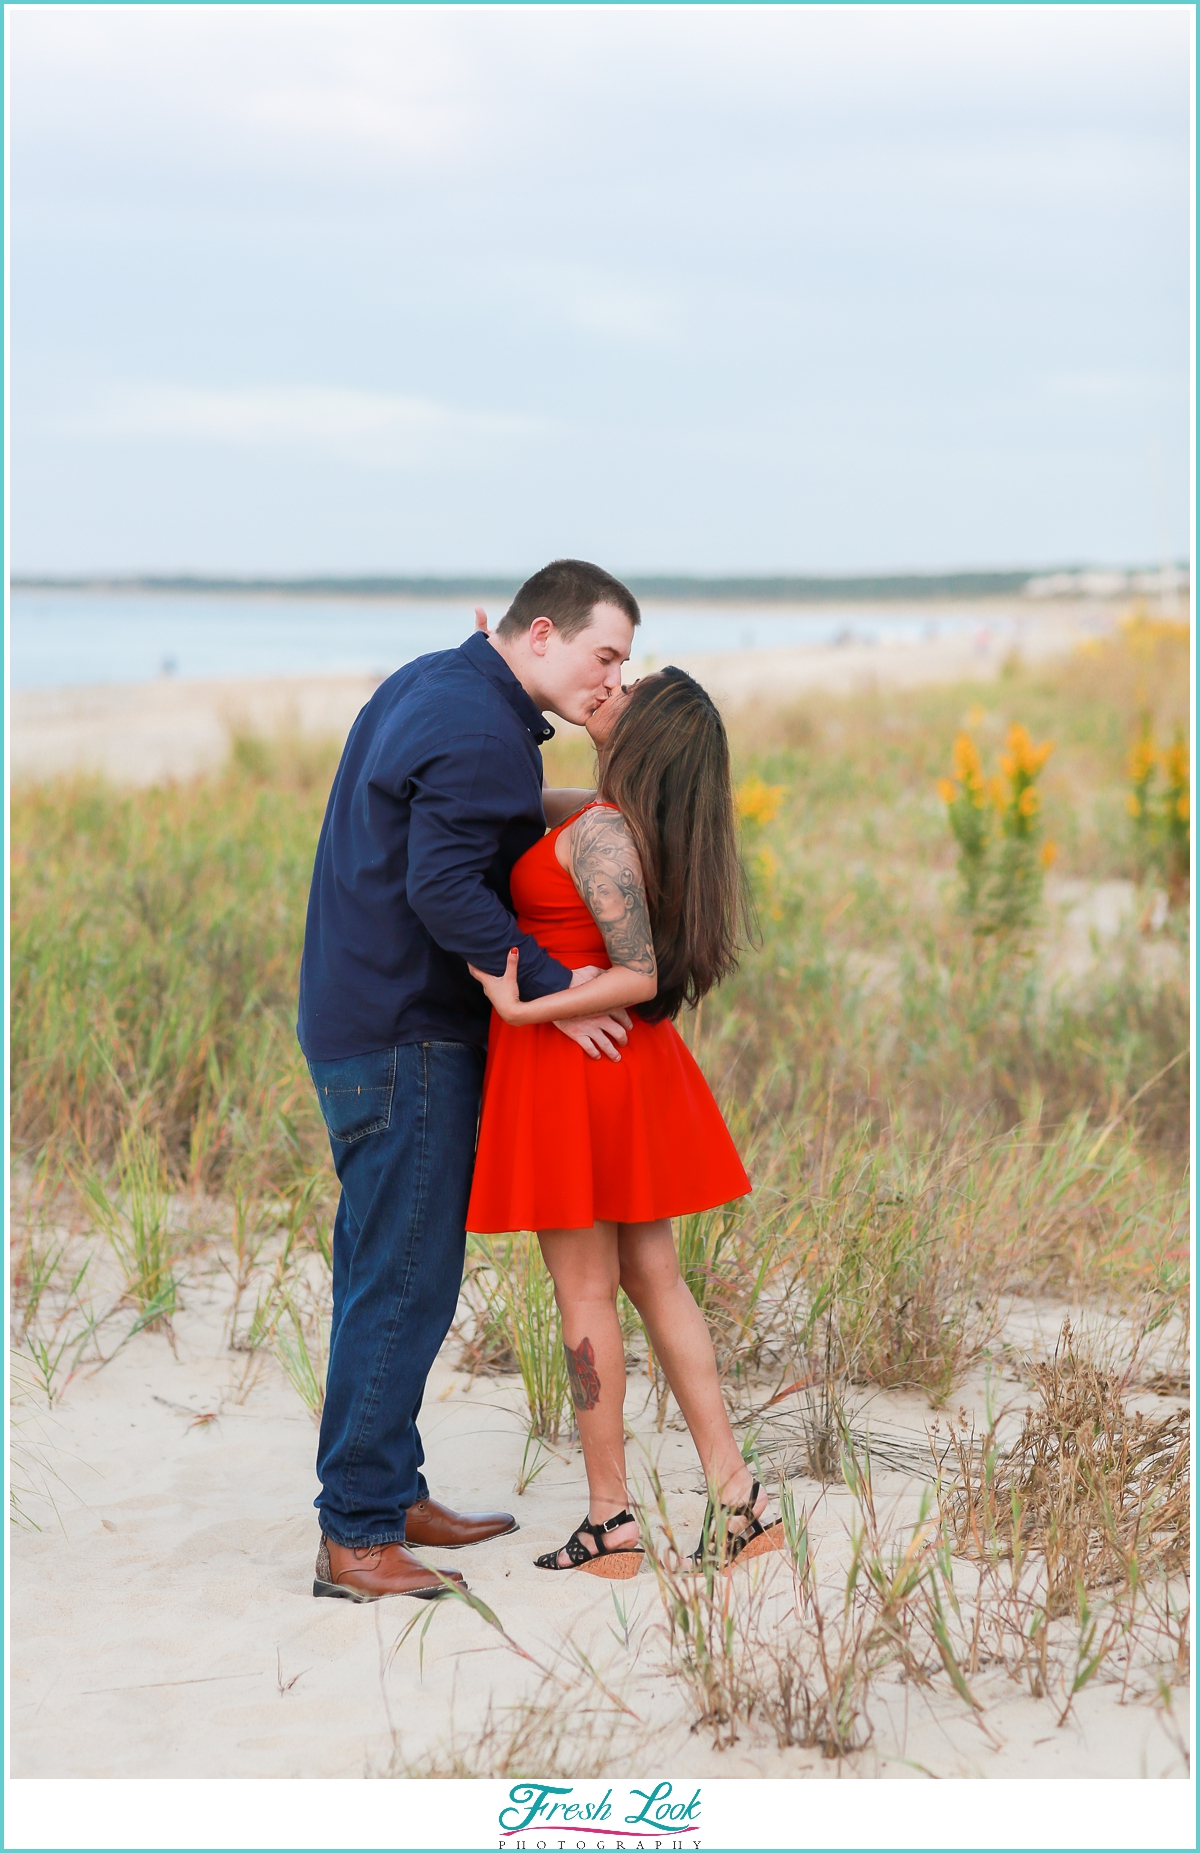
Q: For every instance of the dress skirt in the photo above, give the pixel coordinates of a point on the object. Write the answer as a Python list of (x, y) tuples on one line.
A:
[(566, 1141)]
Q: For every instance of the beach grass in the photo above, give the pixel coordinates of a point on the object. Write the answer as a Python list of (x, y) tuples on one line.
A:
[(932, 1116)]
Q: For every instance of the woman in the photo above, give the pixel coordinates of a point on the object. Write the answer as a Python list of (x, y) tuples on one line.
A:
[(596, 1156)]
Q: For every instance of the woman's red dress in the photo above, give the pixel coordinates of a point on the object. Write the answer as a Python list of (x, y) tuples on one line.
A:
[(565, 1140)]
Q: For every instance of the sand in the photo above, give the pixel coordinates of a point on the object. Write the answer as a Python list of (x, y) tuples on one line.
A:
[(138, 733), (164, 1626)]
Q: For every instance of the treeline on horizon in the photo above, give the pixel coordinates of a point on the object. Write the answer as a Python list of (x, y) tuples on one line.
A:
[(773, 588)]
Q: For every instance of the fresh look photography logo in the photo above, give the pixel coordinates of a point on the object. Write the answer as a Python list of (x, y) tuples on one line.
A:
[(569, 1814)]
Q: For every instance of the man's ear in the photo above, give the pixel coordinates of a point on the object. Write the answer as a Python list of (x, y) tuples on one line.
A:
[(481, 623), (540, 632)]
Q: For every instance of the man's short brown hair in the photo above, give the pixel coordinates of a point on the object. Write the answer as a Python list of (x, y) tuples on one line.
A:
[(566, 592)]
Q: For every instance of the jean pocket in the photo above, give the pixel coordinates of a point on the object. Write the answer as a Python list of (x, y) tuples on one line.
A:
[(355, 1095)]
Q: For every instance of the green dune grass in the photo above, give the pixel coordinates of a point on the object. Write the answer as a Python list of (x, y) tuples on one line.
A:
[(930, 1116)]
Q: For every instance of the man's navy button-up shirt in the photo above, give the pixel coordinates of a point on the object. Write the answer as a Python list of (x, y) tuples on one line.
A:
[(439, 791)]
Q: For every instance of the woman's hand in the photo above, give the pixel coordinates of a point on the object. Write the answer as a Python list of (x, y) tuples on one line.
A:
[(502, 993), (505, 998), (595, 991)]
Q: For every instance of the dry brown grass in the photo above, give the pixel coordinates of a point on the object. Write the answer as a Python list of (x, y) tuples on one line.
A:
[(1101, 1492), (563, 1730)]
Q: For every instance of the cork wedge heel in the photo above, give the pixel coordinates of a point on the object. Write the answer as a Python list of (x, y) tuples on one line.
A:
[(614, 1565)]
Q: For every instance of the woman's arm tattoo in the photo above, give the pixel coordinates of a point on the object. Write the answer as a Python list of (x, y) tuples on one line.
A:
[(582, 1374), (607, 871)]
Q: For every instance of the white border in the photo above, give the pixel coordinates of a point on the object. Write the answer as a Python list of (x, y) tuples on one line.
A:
[(737, 1814)]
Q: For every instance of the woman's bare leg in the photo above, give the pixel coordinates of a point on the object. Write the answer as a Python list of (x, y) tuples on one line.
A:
[(586, 1272), (649, 1273)]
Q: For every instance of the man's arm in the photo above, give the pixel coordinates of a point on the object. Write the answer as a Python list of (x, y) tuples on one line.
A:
[(599, 1035), (460, 801), (451, 899), (607, 871), (562, 801)]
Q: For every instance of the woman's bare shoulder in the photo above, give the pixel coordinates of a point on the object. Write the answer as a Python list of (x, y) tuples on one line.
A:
[(581, 829)]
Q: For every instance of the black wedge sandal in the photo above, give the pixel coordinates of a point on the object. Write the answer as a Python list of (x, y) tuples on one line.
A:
[(754, 1540), (614, 1564)]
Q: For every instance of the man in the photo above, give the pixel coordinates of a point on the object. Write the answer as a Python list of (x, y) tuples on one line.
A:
[(439, 791)]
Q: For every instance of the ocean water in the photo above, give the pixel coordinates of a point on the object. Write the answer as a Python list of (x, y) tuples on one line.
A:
[(63, 638)]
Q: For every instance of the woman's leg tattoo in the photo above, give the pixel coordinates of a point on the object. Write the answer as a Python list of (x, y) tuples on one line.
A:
[(582, 1374)]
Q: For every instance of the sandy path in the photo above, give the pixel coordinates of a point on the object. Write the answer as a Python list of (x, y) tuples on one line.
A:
[(156, 1617), (140, 732)]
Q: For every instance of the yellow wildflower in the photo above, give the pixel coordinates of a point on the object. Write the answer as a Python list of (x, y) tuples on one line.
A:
[(968, 768), (947, 791), (1133, 805), (758, 802), (1141, 759), (1176, 763), (1028, 802), (1026, 757), (1048, 854), (1184, 807)]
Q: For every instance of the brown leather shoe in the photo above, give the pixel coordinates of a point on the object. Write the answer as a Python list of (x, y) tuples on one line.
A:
[(377, 1570), (437, 1526)]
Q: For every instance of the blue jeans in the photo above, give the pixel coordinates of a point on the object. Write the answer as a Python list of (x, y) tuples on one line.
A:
[(402, 1124)]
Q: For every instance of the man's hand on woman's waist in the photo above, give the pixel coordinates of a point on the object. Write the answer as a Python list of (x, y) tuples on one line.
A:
[(597, 1035)]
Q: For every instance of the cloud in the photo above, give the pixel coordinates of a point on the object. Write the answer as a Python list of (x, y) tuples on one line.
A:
[(375, 92), (263, 92), (944, 250), (323, 117), (364, 427)]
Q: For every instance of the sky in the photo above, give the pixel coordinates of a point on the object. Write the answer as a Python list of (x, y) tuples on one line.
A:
[(691, 289)]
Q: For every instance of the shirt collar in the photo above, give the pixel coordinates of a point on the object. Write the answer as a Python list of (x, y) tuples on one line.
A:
[(489, 662)]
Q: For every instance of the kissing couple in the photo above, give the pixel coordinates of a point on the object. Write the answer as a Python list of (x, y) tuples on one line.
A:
[(485, 1072)]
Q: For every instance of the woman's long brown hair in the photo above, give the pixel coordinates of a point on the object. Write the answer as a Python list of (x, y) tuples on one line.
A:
[(667, 771)]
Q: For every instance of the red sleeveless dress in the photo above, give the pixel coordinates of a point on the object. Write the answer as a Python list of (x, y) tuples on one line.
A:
[(566, 1141)]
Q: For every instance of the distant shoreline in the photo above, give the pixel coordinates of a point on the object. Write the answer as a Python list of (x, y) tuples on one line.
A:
[(1060, 582), (175, 727)]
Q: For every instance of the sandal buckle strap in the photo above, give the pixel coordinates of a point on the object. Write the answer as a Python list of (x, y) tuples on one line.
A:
[(576, 1550)]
